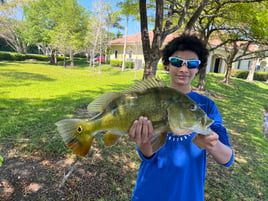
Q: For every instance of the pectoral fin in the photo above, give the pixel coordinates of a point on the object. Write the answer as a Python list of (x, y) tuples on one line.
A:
[(110, 138)]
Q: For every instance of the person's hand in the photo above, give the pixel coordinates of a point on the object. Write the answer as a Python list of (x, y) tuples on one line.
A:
[(206, 141), (141, 130)]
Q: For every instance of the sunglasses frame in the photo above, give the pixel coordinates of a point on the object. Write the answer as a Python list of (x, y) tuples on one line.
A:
[(184, 61)]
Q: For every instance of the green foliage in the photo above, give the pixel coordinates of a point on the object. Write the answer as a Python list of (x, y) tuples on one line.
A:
[(260, 76), (118, 63), (160, 66), (61, 24), (8, 56), (129, 64)]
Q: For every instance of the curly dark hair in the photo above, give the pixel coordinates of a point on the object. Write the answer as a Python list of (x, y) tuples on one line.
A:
[(186, 42)]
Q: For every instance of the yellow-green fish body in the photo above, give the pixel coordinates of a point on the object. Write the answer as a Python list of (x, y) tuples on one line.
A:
[(168, 109)]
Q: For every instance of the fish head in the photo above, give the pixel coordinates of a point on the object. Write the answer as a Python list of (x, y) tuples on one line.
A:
[(187, 117), (76, 135)]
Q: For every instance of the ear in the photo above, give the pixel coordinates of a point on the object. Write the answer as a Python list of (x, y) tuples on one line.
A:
[(166, 67)]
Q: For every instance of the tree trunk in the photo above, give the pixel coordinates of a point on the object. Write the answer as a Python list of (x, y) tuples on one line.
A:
[(71, 57), (125, 45), (201, 81), (150, 68), (228, 73), (64, 60), (251, 72), (53, 57)]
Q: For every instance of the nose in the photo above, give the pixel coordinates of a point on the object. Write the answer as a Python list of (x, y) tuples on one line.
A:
[(183, 67)]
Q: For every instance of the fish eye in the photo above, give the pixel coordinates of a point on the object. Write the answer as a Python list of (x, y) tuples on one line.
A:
[(193, 107), (79, 129)]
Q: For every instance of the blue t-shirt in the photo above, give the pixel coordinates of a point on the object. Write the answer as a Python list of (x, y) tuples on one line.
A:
[(177, 171)]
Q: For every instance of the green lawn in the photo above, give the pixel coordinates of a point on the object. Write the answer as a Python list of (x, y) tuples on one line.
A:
[(33, 96)]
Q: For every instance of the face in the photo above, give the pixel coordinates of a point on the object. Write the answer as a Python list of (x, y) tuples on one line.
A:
[(181, 77)]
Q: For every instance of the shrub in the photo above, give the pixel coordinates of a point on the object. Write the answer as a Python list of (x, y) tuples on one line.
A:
[(130, 64), (240, 74), (116, 63), (5, 56), (10, 56), (260, 76), (160, 66)]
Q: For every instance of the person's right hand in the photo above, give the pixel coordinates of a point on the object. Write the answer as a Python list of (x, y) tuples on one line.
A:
[(141, 130)]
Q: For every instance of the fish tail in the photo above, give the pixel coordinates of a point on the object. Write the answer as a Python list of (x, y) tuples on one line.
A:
[(75, 135)]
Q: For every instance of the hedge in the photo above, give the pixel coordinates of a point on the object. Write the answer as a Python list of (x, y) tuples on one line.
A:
[(10, 56), (260, 76), (118, 63)]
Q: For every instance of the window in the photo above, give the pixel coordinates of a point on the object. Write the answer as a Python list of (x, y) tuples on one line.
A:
[(239, 64), (130, 54), (115, 54), (249, 63)]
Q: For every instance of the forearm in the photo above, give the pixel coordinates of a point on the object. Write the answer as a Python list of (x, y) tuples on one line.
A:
[(220, 152), (146, 149)]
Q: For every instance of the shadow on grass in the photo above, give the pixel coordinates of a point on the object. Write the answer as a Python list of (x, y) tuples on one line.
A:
[(33, 152), (26, 76)]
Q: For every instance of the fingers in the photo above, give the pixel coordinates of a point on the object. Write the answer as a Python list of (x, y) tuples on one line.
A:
[(132, 130), (206, 141), (141, 130)]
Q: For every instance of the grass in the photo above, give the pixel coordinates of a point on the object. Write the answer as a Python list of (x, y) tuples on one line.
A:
[(36, 95)]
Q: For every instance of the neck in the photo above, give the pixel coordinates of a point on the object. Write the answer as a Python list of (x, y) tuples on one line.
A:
[(183, 89)]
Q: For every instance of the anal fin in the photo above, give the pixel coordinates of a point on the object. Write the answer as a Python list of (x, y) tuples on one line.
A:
[(158, 141), (80, 147)]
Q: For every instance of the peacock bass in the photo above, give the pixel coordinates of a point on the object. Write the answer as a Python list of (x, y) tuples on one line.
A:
[(168, 109)]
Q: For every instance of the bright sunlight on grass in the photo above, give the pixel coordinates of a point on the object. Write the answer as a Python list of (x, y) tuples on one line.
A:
[(34, 96)]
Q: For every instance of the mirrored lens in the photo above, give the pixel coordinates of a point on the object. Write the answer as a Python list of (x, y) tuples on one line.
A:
[(176, 61), (193, 63)]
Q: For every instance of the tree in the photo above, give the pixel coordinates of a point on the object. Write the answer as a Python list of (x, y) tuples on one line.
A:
[(249, 39), (70, 24), (175, 13), (95, 30), (58, 25), (128, 8), (230, 18), (11, 28)]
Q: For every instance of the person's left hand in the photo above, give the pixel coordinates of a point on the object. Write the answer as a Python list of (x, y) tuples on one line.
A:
[(206, 141)]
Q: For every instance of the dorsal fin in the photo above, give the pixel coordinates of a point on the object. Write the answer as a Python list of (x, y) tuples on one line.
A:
[(99, 104), (145, 84)]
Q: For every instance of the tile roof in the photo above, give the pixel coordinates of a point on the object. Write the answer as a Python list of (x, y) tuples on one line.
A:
[(136, 39)]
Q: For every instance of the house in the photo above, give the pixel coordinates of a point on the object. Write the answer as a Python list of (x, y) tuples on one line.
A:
[(215, 60)]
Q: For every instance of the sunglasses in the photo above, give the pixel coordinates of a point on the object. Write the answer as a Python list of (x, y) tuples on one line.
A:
[(178, 62)]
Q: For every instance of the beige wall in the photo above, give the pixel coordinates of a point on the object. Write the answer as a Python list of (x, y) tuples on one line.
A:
[(133, 52)]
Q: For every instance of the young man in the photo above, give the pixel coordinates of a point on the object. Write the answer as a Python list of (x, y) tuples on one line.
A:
[(177, 171)]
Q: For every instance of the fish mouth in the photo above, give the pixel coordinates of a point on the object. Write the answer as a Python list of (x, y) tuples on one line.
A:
[(203, 127)]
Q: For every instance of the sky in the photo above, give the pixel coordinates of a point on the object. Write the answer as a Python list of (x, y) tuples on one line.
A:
[(133, 27)]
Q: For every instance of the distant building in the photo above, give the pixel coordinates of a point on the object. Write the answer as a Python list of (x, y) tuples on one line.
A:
[(215, 60)]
